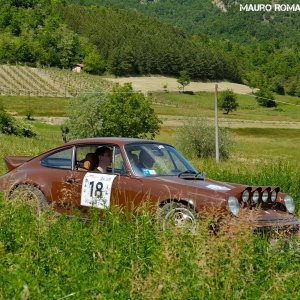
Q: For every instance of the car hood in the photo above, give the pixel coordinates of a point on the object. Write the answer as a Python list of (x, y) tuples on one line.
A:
[(206, 184)]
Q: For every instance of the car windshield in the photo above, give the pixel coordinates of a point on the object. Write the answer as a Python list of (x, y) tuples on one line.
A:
[(153, 159)]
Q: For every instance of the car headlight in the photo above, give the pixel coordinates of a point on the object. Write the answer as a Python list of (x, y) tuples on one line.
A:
[(265, 196), (273, 196), (245, 196), (233, 205), (255, 196), (289, 204)]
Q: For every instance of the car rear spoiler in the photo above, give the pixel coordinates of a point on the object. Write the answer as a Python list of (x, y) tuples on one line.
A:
[(13, 162)]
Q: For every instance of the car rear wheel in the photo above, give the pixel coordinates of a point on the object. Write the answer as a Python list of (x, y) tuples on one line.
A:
[(31, 195), (175, 215)]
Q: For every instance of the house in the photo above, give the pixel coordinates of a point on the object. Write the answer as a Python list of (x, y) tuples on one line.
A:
[(77, 68)]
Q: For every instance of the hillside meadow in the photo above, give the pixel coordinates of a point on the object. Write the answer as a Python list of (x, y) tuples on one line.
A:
[(128, 256), (172, 104)]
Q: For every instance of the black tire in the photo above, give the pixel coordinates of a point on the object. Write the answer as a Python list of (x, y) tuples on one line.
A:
[(178, 215), (31, 195)]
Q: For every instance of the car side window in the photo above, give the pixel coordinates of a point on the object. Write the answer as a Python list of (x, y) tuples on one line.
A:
[(60, 160), (85, 159)]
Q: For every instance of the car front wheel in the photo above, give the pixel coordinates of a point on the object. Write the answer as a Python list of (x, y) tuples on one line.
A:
[(178, 216), (31, 195)]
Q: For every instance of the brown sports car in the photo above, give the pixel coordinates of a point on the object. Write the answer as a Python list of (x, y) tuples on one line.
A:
[(140, 171)]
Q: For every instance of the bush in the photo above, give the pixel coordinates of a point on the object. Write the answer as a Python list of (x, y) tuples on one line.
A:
[(10, 125), (29, 114), (196, 139), (265, 98)]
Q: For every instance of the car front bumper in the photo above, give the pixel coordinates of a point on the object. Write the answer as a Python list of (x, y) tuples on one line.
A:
[(276, 222)]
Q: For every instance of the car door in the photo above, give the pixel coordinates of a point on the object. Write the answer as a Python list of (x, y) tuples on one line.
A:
[(116, 187), (63, 179)]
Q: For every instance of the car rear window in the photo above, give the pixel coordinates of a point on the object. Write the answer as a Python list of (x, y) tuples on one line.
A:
[(60, 160)]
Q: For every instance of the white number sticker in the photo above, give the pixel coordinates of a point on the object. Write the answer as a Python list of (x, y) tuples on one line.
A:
[(96, 190), (217, 187)]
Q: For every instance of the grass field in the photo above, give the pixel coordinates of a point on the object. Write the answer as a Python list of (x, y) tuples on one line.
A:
[(39, 106), (202, 103), (128, 256), (171, 104)]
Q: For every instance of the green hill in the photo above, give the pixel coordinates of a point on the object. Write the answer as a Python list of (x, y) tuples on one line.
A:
[(197, 36), (111, 40), (218, 19), (264, 43)]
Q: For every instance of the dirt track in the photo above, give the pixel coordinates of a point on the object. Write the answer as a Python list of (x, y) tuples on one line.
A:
[(236, 123), (157, 83), (178, 121)]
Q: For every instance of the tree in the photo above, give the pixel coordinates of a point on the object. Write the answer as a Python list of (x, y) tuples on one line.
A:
[(85, 115), (129, 114), (93, 63), (265, 97), (291, 86), (184, 79), (228, 101), (278, 85)]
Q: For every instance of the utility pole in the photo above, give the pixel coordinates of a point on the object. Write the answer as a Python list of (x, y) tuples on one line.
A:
[(216, 125)]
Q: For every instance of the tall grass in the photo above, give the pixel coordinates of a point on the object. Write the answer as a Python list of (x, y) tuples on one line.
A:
[(283, 173), (129, 257)]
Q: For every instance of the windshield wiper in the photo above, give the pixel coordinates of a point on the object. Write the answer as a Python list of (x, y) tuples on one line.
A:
[(187, 172), (190, 174)]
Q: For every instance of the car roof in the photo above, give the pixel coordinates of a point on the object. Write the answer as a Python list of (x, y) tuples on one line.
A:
[(111, 140)]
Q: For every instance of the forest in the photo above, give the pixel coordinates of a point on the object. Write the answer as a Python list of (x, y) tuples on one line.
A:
[(205, 18), (265, 44), (105, 40), (154, 37)]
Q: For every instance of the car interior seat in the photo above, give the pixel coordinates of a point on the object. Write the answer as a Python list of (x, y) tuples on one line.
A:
[(134, 158), (90, 162)]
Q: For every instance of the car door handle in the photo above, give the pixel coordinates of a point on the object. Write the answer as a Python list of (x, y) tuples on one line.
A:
[(72, 180)]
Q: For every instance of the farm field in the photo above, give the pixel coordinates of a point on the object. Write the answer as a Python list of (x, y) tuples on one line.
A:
[(147, 84), (48, 82)]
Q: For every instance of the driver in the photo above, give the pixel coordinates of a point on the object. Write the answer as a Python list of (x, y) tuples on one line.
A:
[(104, 155)]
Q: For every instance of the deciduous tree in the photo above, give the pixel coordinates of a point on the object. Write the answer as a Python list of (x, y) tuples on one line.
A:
[(85, 115), (228, 101), (184, 79), (129, 114)]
